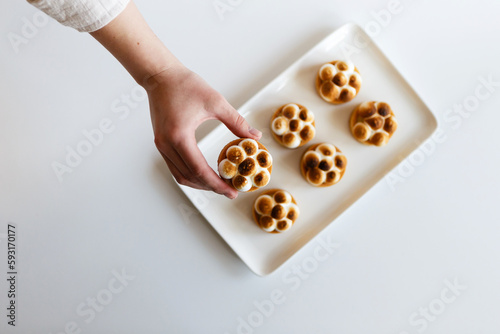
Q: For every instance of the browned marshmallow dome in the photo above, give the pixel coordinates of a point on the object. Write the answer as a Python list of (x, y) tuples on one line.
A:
[(245, 164), (373, 123), (292, 125), (338, 81), (275, 210), (323, 165)]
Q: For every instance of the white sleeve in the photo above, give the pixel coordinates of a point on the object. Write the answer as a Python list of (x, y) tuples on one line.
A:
[(83, 15)]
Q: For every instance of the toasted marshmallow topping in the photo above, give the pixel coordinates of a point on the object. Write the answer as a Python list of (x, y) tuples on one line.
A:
[(373, 123), (294, 125), (338, 81), (276, 212), (324, 165), (247, 165)]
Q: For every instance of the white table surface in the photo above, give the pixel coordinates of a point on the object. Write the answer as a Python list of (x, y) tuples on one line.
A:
[(395, 253)]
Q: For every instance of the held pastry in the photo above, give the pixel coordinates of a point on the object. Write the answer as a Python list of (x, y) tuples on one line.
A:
[(292, 125), (338, 81), (373, 123), (323, 165), (275, 210), (245, 164)]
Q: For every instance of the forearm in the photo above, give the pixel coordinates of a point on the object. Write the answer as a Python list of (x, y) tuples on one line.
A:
[(179, 99), (132, 42)]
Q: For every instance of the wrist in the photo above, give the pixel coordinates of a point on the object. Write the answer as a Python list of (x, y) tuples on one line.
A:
[(166, 74)]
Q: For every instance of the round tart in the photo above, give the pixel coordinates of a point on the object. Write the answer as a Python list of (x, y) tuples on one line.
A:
[(245, 164), (373, 123), (323, 165), (292, 125), (338, 81), (275, 211)]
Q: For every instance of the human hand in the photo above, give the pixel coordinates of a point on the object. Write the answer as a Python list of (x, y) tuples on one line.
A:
[(179, 99), (179, 102)]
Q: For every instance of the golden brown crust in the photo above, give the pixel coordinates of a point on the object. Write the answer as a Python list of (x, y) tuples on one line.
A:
[(243, 168), (333, 86), (313, 168), (372, 116), (294, 125), (262, 219)]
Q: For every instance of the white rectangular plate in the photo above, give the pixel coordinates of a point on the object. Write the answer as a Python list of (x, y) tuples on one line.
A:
[(366, 165)]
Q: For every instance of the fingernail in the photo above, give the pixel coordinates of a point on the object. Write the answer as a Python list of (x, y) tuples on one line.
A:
[(230, 195), (254, 132)]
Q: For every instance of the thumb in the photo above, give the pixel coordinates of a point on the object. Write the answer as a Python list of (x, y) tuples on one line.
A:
[(237, 124)]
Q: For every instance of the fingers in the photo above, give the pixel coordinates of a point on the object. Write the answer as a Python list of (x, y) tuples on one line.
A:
[(179, 176), (200, 170), (236, 123), (189, 168)]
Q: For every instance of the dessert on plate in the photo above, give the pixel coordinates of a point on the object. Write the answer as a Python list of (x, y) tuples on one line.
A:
[(373, 123), (245, 164), (323, 165), (292, 125), (275, 210), (338, 81)]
